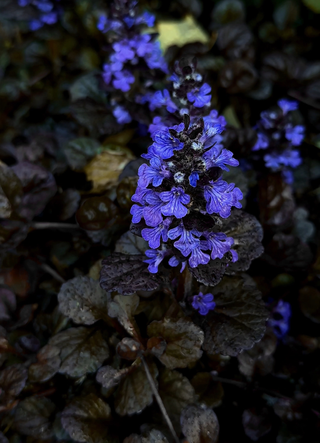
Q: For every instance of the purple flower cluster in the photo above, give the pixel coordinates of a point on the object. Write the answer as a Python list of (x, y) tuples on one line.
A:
[(48, 12), (278, 136), (182, 183), (131, 51), (280, 316), (194, 94)]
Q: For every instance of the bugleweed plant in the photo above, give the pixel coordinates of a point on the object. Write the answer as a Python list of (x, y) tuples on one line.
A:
[(159, 248)]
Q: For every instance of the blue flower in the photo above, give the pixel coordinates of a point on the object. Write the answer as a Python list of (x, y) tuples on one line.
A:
[(124, 51), (50, 18), (288, 176), (148, 18), (198, 257), (200, 97), (107, 73), (279, 322), (35, 24), (122, 115), (140, 195), (287, 105), (142, 44), (288, 157), (153, 236), (193, 178), (214, 158), (215, 119), (102, 22), (174, 261), (154, 173), (261, 143), (188, 241), (130, 21), (44, 6), (155, 258), (220, 196), (273, 161), (152, 213), (162, 98), (295, 134), (210, 134), (218, 243), (137, 213), (123, 80), (156, 125), (203, 303), (155, 60), (175, 200), (291, 158), (115, 64), (165, 144)]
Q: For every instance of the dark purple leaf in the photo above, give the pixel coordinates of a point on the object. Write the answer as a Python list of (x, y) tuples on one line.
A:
[(38, 185), (82, 350), (208, 392), (33, 417), (183, 341), (256, 424), (247, 233), (83, 301), (199, 424), (134, 392), (47, 366), (87, 419), (7, 303), (128, 274), (238, 320), (176, 393)]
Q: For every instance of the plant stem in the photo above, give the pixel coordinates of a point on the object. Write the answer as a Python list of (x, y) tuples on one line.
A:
[(244, 385), (159, 401), (49, 225), (52, 272), (184, 290)]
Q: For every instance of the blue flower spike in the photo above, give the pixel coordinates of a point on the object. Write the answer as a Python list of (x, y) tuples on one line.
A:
[(183, 181)]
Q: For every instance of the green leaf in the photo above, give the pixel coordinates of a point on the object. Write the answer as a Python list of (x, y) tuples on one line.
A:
[(33, 417), (12, 381), (314, 5), (309, 299), (110, 377), (256, 423), (134, 392), (82, 300), (10, 191), (259, 359), (123, 308), (183, 339), (47, 366), (176, 393), (82, 350), (86, 419), (239, 318), (153, 436), (87, 86), (94, 116), (80, 151), (199, 424), (208, 392), (131, 244)]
